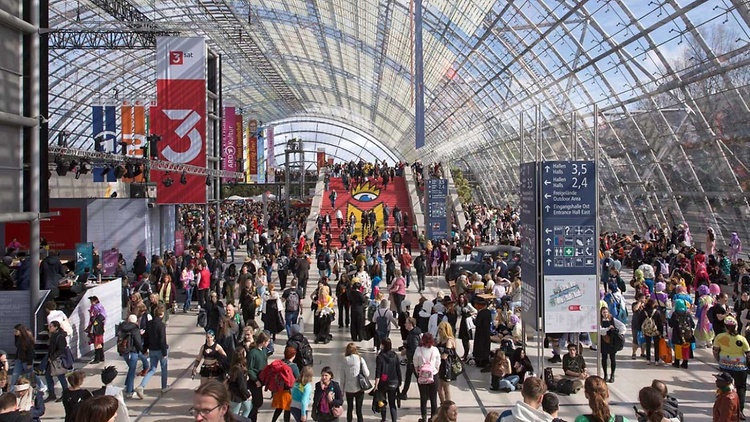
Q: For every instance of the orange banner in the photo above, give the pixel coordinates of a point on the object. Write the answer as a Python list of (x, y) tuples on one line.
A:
[(321, 159)]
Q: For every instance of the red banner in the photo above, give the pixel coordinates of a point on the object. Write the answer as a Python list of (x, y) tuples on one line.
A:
[(180, 116), (179, 242), (321, 159), (61, 233)]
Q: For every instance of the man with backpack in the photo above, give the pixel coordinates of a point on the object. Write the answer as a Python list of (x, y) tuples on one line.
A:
[(130, 346), (304, 352), (279, 377), (292, 298), (420, 265), (382, 318)]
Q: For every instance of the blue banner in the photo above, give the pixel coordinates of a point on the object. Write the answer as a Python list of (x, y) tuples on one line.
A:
[(436, 197), (84, 257), (530, 271)]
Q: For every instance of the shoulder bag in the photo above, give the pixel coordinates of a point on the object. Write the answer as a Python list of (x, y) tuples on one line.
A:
[(362, 381)]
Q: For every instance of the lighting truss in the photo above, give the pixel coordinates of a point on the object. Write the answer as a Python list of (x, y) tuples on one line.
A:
[(103, 40), (150, 164)]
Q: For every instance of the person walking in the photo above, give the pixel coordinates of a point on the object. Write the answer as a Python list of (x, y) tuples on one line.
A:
[(426, 364), (388, 378), (612, 332), (652, 328), (95, 328), (597, 393), (257, 359), (357, 303), (241, 402), (410, 346), (328, 398), (354, 365), (24, 363), (155, 343), (74, 395), (683, 338), (383, 318), (420, 266), (189, 283), (446, 344), (292, 298), (57, 345), (732, 351), (130, 337), (727, 405), (302, 394), (209, 355)]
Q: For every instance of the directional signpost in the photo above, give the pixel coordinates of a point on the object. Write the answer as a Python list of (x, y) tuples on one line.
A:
[(530, 263), (437, 209), (569, 246)]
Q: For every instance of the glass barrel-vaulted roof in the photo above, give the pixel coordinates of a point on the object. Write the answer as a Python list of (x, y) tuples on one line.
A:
[(670, 78)]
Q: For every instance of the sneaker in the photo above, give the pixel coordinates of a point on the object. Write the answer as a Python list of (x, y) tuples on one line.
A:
[(403, 396), (593, 347), (139, 392), (555, 359), (649, 363), (50, 398), (633, 357), (43, 389)]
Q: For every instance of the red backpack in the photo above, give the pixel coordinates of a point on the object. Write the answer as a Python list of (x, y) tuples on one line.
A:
[(277, 376)]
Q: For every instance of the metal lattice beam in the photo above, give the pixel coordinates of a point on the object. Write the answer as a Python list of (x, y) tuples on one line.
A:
[(103, 40), (125, 12)]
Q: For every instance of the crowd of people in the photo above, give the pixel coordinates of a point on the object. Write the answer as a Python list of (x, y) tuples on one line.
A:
[(251, 313)]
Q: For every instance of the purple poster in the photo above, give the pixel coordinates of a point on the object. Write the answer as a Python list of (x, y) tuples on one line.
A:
[(109, 262)]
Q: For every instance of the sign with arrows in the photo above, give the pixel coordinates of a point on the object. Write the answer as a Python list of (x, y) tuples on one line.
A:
[(569, 264), (530, 244)]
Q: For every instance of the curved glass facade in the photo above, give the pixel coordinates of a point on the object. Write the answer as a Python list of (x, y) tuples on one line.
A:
[(670, 80)]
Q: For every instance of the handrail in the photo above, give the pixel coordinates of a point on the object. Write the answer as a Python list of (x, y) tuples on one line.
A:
[(42, 301)]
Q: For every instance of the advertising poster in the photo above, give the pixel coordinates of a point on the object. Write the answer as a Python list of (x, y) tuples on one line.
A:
[(84, 257), (321, 159), (179, 242), (252, 156), (180, 115), (270, 149), (240, 145), (110, 258)]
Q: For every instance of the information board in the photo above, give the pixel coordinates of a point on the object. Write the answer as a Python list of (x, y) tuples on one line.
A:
[(569, 246), (529, 194), (436, 199)]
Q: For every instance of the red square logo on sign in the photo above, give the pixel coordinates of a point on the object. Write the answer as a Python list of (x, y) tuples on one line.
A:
[(175, 57)]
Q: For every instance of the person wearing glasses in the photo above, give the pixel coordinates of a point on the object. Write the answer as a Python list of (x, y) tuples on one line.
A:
[(211, 403)]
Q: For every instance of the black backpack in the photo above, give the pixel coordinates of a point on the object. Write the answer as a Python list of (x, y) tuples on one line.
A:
[(382, 324)]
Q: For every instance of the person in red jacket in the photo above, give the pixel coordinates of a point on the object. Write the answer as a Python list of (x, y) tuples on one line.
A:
[(204, 284), (727, 404)]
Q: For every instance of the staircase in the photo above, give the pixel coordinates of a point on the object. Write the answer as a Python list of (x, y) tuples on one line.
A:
[(364, 197)]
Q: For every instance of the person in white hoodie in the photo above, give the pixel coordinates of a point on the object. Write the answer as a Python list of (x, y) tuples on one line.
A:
[(528, 410), (353, 366)]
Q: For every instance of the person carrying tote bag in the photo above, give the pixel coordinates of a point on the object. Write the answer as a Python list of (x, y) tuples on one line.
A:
[(354, 373)]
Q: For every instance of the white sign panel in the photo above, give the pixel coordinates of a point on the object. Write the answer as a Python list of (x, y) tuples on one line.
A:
[(571, 303)]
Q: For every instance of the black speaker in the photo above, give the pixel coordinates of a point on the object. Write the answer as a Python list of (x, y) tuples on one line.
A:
[(137, 190)]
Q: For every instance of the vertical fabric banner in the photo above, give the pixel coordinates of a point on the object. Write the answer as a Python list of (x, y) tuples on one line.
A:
[(104, 124), (252, 156), (321, 159), (109, 262), (179, 243), (97, 123), (180, 115), (239, 145), (110, 123), (84, 257), (228, 142), (261, 159), (270, 153)]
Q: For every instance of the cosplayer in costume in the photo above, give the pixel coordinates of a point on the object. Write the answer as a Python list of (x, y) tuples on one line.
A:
[(704, 331)]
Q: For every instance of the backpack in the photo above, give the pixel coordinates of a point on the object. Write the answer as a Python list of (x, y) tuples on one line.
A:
[(305, 352), (549, 379), (566, 387), (124, 341), (202, 319), (616, 307), (683, 324), (663, 268), (382, 325), (425, 372), (277, 376), (322, 262), (282, 263), (649, 327), (292, 301)]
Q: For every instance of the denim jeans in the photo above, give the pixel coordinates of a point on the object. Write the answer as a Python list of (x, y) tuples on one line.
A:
[(407, 276), (132, 360), (156, 357), (21, 368), (144, 361), (290, 318), (510, 382), (51, 382), (188, 298), (242, 409)]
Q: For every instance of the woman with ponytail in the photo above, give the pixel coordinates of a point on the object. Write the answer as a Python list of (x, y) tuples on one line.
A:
[(597, 393), (652, 401)]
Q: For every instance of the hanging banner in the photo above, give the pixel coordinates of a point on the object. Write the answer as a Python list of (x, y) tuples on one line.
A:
[(261, 159), (239, 145), (252, 155), (180, 115), (179, 243), (229, 142), (110, 258), (104, 124), (321, 159), (84, 257), (270, 151)]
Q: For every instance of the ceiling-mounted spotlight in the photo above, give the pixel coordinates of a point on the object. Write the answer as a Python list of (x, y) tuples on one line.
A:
[(72, 166), (129, 171), (137, 170), (167, 179), (85, 167), (60, 168), (208, 180), (123, 147), (119, 171), (106, 169), (114, 195), (183, 178)]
